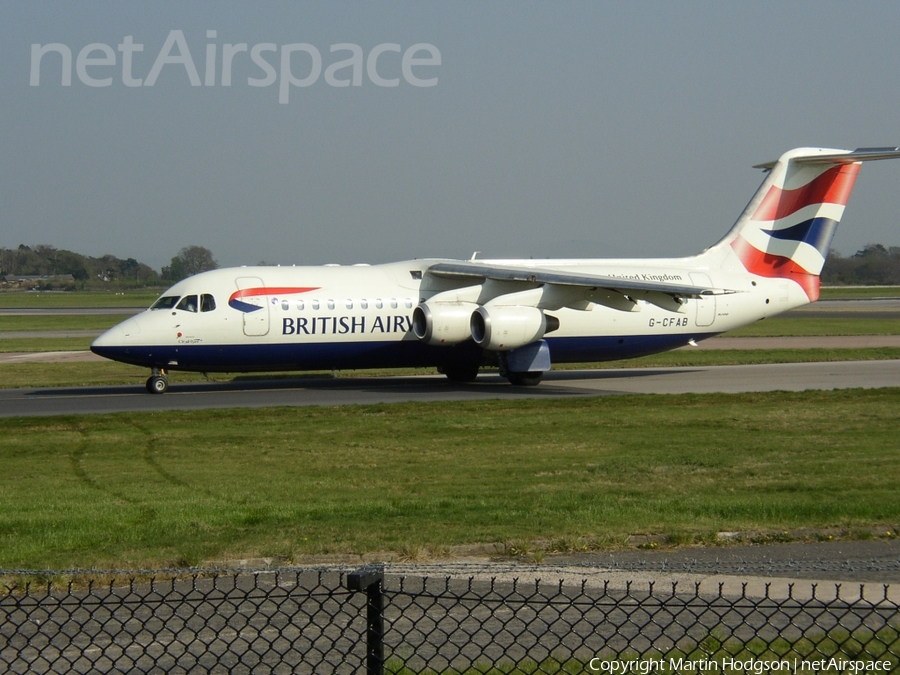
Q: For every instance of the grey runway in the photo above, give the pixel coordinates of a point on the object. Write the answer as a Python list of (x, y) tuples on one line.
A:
[(369, 390)]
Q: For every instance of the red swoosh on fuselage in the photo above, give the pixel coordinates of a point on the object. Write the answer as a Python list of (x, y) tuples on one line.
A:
[(270, 290)]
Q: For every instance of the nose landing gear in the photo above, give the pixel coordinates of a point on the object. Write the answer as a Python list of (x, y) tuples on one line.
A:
[(157, 383)]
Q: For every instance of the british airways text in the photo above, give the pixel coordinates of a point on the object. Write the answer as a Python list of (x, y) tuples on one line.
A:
[(343, 325)]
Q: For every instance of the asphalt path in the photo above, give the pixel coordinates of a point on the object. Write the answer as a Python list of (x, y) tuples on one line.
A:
[(852, 308), (373, 390)]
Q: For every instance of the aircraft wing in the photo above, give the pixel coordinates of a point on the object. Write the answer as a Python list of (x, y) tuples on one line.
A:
[(538, 275)]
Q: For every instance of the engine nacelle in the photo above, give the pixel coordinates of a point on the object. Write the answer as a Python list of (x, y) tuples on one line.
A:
[(508, 327), (443, 323)]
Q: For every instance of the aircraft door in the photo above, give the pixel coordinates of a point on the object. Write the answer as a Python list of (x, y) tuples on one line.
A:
[(706, 306), (251, 291)]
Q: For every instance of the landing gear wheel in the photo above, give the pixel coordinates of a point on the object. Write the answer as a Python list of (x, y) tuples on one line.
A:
[(529, 379), (460, 373), (157, 384)]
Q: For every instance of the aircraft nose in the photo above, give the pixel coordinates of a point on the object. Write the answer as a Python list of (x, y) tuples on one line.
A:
[(117, 336)]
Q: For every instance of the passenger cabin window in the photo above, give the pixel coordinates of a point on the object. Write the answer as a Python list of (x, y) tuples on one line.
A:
[(393, 303), (331, 304), (285, 305), (207, 303), (166, 302), (300, 305), (364, 303), (378, 303), (188, 304), (315, 304), (409, 303), (349, 304)]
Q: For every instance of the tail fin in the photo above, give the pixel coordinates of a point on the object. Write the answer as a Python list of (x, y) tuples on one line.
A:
[(787, 228)]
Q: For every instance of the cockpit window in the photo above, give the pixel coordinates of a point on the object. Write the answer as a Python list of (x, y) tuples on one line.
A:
[(188, 304), (165, 302), (207, 303)]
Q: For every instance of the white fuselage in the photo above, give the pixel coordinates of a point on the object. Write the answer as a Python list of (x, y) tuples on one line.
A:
[(361, 316)]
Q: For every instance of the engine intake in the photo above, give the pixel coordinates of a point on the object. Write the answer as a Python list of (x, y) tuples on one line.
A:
[(443, 323), (505, 328)]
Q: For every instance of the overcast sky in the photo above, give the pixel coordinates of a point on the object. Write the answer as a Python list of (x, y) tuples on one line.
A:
[(576, 129)]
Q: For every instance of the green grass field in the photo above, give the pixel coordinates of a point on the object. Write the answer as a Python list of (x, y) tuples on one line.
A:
[(845, 292), (60, 299), (176, 488), (145, 490), (783, 327), (57, 323)]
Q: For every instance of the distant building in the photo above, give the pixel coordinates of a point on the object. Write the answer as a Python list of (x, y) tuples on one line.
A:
[(33, 280)]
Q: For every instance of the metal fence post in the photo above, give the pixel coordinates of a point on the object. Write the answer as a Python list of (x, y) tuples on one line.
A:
[(370, 579)]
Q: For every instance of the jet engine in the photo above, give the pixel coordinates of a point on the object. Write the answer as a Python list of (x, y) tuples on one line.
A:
[(508, 327), (443, 323)]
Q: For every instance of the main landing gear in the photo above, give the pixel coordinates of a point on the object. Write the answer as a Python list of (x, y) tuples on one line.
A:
[(529, 379), (157, 383), (526, 361), (460, 372)]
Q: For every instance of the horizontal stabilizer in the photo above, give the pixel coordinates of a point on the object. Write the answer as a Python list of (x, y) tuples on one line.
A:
[(845, 157)]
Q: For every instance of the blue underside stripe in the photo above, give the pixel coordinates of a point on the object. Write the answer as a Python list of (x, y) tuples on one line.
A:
[(243, 306), (361, 355)]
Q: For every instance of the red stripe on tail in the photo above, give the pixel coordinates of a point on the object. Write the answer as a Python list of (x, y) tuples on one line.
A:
[(831, 187), (775, 267)]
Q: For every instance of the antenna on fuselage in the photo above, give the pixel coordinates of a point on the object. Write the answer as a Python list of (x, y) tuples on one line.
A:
[(473, 255)]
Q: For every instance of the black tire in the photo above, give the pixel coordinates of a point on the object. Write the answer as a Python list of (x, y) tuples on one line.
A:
[(529, 379), (157, 384), (461, 373)]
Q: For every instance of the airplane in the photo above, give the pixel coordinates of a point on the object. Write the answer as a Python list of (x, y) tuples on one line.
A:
[(519, 315)]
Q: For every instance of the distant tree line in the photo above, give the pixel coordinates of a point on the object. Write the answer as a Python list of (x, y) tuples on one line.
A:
[(189, 261), (873, 265), (86, 272)]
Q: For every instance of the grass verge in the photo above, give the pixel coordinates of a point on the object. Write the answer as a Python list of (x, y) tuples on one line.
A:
[(66, 299), (817, 327), (56, 322), (45, 344), (852, 292), (177, 488)]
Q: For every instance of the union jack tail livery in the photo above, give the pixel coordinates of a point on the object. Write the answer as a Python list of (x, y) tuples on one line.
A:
[(786, 230)]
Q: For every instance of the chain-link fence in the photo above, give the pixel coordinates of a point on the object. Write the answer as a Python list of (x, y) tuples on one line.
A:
[(329, 620)]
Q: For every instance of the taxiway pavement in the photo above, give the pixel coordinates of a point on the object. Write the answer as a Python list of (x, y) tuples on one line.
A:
[(371, 390)]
